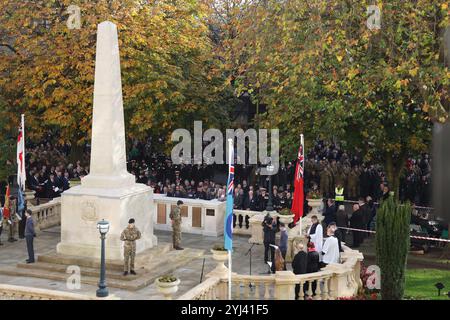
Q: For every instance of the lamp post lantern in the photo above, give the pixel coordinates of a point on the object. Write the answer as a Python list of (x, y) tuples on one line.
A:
[(269, 207), (103, 228)]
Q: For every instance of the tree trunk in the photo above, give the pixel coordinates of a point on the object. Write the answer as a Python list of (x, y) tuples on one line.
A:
[(76, 153), (393, 170)]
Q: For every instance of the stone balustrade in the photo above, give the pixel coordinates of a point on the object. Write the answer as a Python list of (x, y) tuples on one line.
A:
[(246, 287), (242, 224), (47, 215), (205, 217), (332, 282), (12, 292), (210, 289)]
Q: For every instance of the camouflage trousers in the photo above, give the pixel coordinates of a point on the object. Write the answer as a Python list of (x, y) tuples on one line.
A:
[(129, 252), (11, 227), (352, 192), (176, 235)]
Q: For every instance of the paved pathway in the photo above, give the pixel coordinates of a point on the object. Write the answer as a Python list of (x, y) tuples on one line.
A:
[(46, 241)]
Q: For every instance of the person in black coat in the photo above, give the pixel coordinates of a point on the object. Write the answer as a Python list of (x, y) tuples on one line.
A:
[(263, 198), (29, 236), (313, 265), (253, 204), (34, 184), (299, 265), (66, 182), (239, 200), (59, 181), (51, 187), (357, 222), (269, 229), (342, 220), (330, 213), (366, 213)]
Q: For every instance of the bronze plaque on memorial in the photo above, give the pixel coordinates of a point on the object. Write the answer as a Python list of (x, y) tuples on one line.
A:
[(161, 216), (196, 217)]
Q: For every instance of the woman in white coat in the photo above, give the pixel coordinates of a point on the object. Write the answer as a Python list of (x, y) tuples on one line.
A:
[(315, 234)]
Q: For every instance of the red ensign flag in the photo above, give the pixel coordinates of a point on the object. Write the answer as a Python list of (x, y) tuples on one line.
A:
[(6, 209), (297, 201)]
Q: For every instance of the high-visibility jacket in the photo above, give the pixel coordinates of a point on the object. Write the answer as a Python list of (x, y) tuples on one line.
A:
[(339, 194)]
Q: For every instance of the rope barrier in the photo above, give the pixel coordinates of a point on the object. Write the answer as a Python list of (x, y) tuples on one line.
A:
[(377, 203), (414, 237)]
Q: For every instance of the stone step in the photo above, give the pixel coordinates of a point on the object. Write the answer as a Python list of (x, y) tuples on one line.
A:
[(62, 277), (84, 271), (159, 265), (116, 265)]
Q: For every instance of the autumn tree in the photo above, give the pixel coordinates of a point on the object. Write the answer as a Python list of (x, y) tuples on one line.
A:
[(169, 74), (322, 71), (7, 148)]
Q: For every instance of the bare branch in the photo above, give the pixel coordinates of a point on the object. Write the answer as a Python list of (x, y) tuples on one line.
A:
[(9, 47)]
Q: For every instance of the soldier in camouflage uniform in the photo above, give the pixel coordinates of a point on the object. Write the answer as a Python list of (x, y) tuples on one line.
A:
[(324, 181), (11, 221), (339, 177), (353, 184), (129, 236), (175, 216)]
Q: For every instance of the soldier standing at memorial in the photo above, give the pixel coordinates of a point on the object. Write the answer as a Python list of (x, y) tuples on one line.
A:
[(175, 216), (9, 217), (353, 184), (129, 236)]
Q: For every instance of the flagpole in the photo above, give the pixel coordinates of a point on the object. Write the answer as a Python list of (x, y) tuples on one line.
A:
[(230, 152), (303, 204), (229, 274), (23, 157)]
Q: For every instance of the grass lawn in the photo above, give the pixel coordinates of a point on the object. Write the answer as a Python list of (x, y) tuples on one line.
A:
[(420, 284)]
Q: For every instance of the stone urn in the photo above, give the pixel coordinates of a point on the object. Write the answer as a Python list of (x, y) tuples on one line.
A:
[(167, 288), (315, 204), (286, 218), (29, 195), (220, 256)]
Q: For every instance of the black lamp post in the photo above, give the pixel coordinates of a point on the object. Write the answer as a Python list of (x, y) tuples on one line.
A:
[(103, 228), (269, 207), (439, 286)]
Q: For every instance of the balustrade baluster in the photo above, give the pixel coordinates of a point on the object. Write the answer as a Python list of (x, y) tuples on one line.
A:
[(309, 291), (266, 292), (325, 288), (257, 287), (240, 218), (301, 295), (246, 289), (238, 290), (318, 295)]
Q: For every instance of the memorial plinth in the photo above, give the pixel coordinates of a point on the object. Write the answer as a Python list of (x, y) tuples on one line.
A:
[(109, 192)]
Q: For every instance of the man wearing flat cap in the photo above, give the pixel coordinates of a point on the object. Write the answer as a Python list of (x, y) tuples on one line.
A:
[(175, 216), (129, 236)]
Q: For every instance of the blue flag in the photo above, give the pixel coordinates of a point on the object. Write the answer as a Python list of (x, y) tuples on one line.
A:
[(228, 226), (20, 203)]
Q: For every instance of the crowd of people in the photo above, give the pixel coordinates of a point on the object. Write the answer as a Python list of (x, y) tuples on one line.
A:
[(48, 170), (327, 167), (322, 249)]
